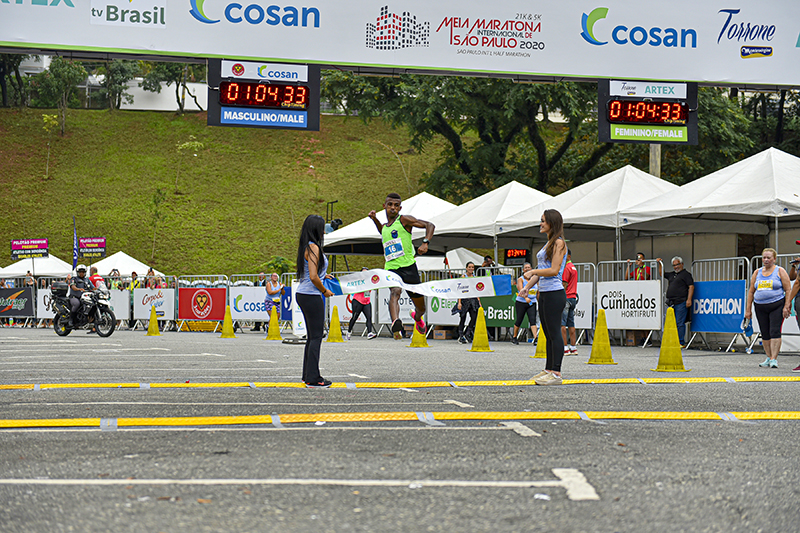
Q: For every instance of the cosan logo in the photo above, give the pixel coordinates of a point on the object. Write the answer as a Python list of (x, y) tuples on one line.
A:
[(637, 35), (135, 13), (255, 14)]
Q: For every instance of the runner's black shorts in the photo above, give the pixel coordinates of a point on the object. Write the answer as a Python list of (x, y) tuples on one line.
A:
[(409, 274)]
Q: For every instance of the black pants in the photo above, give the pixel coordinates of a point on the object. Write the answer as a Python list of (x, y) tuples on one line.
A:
[(469, 306), (314, 312), (359, 308), (522, 309), (770, 319), (551, 306)]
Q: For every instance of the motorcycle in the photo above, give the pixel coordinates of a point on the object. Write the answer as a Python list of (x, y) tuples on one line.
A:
[(94, 311)]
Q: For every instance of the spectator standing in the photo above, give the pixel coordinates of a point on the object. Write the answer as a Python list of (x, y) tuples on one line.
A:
[(361, 304), (487, 266), (312, 266), (679, 293), (640, 271), (769, 286), (96, 278), (525, 305), (29, 281), (468, 306), (274, 291), (570, 281)]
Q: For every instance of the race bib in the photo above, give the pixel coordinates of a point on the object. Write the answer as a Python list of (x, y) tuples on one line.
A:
[(764, 285), (393, 249)]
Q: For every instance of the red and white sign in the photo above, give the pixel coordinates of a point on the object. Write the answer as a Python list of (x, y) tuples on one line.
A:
[(201, 304)]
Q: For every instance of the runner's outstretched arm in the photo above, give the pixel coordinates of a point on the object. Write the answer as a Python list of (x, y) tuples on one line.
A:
[(409, 222)]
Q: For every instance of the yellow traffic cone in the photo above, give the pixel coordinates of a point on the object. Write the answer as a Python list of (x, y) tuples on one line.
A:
[(274, 330), (601, 345), (335, 332), (670, 358), (152, 326), (227, 325), (480, 339), (418, 340), (541, 346)]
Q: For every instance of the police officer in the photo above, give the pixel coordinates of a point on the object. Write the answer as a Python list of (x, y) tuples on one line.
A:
[(79, 285)]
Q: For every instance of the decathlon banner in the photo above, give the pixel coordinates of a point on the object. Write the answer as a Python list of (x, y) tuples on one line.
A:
[(162, 299), (247, 303), (631, 304), (680, 40), (718, 306), (449, 288)]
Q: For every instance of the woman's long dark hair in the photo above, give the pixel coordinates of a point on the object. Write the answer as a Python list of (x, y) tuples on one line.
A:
[(556, 223), (313, 231)]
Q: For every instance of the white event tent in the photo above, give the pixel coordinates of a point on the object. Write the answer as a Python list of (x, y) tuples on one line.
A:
[(456, 259), (362, 237), (591, 211), (124, 263), (475, 223), (746, 197), (50, 266)]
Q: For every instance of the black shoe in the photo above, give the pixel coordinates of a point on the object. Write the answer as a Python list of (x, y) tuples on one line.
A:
[(514, 340), (255, 329), (397, 329), (322, 384), (462, 340)]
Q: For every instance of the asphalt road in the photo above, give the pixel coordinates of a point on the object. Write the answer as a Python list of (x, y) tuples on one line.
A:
[(490, 474)]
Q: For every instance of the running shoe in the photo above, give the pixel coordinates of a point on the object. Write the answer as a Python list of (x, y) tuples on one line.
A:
[(462, 340), (539, 375), (514, 341), (765, 364), (397, 329), (773, 363), (347, 335), (573, 351), (371, 335), (420, 324), (321, 384), (549, 379), (797, 369)]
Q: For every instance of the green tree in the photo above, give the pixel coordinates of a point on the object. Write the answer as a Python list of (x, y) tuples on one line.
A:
[(278, 264), (486, 122), (178, 74), (58, 84), (9, 70), (114, 87)]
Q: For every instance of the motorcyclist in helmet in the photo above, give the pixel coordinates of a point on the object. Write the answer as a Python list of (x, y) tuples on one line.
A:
[(79, 284)]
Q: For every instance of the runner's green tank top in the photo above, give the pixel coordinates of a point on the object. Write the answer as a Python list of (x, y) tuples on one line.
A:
[(398, 250)]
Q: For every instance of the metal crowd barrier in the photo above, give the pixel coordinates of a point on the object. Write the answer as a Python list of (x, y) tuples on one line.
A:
[(622, 271), (721, 269), (587, 273)]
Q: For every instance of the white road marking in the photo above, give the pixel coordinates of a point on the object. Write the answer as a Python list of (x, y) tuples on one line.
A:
[(578, 489), (257, 361), (407, 390), (459, 404), (521, 429), (358, 376)]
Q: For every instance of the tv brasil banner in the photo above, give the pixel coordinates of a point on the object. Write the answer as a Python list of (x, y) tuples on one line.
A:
[(681, 40)]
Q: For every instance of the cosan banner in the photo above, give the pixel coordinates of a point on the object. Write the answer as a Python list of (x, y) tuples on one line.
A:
[(247, 303), (583, 311), (16, 302), (162, 299), (92, 247), (718, 306), (28, 248), (201, 304), (681, 40), (631, 304)]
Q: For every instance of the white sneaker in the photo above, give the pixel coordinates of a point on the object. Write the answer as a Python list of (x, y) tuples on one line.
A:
[(371, 335), (549, 379), (573, 350), (539, 375), (347, 335)]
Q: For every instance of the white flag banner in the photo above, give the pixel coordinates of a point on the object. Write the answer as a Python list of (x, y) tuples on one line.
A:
[(447, 288)]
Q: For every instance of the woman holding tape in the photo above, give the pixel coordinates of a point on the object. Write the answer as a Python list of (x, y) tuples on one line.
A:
[(311, 267), (769, 286), (551, 295)]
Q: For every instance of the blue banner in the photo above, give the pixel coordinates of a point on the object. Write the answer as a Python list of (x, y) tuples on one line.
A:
[(266, 117), (286, 304), (718, 306)]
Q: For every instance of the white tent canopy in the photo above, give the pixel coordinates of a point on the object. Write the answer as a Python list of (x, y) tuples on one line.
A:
[(457, 260), (124, 263), (475, 223), (591, 211), (362, 237), (741, 198), (50, 266)]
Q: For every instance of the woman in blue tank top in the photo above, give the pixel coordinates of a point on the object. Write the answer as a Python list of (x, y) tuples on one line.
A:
[(551, 295), (311, 268), (769, 286)]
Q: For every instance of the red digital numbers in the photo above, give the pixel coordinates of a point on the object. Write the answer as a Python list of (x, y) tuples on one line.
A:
[(273, 95), (647, 112), (516, 252)]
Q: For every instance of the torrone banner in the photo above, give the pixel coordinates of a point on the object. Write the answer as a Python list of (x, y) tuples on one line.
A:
[(745, 43)]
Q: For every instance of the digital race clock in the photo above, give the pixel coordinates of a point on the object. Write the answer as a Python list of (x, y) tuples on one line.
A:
[(266, 95), (647, 112)]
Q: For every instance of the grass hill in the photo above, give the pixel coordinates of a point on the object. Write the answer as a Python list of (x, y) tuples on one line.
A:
[(240, 201)]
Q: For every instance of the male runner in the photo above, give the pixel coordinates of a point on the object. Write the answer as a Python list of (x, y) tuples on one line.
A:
[(399, 253)]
